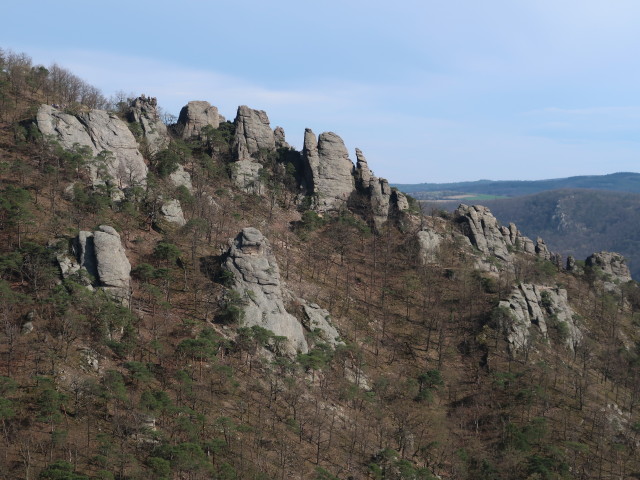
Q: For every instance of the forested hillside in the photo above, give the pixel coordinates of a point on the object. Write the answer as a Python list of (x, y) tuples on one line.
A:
[(616, 182), (578, 222), (199, 300)]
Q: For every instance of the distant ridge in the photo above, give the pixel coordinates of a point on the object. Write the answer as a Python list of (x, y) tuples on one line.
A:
[(617, 182)]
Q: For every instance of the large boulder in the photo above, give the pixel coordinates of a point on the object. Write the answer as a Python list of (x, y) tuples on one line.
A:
[(256, 278), (318, 321), (536, 307), (99, 260), (429, 242), (253, 133), (102, 131), (194, 116), (328, 170), (144, 111), (172, 212)]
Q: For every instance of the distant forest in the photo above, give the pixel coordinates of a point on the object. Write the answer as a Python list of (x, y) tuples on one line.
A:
[(618, 182), (578, 222)]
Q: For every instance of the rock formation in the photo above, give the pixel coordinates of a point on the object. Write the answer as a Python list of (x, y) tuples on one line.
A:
[(253, 133), (181, 178), (328, 170), (256, 278), (278, 135), (144, 111), (429, 245), (612, 265), (100, 254), (102, 132), (245, 174), (484, 232), (400, 201), (172, 212), (362, 173), (385, 201), (194, 116), (318, 321), (380, 196), (535, 306)]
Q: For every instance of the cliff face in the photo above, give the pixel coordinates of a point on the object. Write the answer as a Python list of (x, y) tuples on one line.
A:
[(121, 163)]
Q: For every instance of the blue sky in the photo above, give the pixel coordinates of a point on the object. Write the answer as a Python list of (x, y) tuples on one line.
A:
[(431, 91)]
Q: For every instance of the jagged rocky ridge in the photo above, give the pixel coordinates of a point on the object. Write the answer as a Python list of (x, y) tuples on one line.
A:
[(330, 179), (538, 307)]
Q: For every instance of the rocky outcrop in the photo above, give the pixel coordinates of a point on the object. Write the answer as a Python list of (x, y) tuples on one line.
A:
[(540, 308), (279, 137), (172, 212), (256, 278), (99, 259), (318, 321), (253, 133), (380, 195), (181, 178), (328, 170), (144, 111), (429, 243), (362, 173), (385, 201), (122, 167), (245, 174), (610, 263), (400, 201), (194, 116), (484, 232)]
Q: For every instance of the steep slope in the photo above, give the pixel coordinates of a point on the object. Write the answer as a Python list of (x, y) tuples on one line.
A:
[(291, 331)]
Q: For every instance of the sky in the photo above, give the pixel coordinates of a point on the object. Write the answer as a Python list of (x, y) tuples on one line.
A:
[(430, 91)]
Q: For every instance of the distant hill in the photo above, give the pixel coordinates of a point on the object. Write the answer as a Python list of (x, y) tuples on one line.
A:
[(618, 182), (578, 222)]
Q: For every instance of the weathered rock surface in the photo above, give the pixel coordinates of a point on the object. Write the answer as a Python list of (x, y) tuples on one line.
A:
[(429, 243), (385, 201), (100, 261), (144, 111), (380, 195), (101, 131), (245, 174), (181, 178), (172, 212), (279, 137), (328, 170), (484, 232), (535, 306), (362, 173), (194, 116), (318, 320), (400, 201), (253, 133), (572, 266), (256, 277), (612, 264)]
